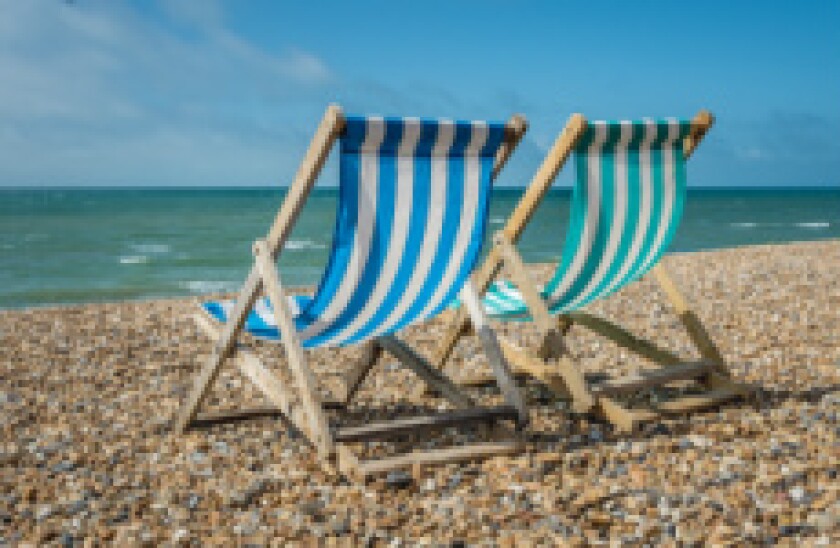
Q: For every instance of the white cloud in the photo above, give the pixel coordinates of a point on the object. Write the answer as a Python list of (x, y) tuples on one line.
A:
[(98, 93)]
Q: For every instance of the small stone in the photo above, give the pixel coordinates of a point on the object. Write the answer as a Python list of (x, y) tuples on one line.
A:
[(76, 507), (192, 501), (398, 479)]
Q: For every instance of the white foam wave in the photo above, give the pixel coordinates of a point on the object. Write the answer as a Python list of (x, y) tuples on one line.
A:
[(813, 225), (133, 259), (296, 245), (207, 286), (150, 248), (744, 225), (496, 220)]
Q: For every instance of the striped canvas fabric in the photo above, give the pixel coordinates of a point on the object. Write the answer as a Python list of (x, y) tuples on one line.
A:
[(411, 219), (626, 205)]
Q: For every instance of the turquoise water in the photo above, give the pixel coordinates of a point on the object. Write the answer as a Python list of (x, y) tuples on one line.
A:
[(77, 245)]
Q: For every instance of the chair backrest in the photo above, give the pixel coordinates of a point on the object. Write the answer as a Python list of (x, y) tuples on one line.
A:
[(412, 210), (627, 202)]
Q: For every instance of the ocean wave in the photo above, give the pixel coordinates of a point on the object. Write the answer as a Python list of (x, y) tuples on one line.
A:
[(150, 248), (496, 220), (811, 224), (208, 286), (133, 259), (297, 245)]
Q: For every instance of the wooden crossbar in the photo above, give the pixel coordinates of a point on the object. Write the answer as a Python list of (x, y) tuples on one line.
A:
[(652, 377), (361, 469), (400, 427)]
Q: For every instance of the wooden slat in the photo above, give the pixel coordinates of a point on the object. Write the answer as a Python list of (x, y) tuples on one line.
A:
[(263, 379), (515, 129), (220, 417), (518, 273), (357, 374), (623, 418), (436, 380), (222, 348), (654, 377), (399, 427), (700, 125), (623, 338), (693, 326), (501, 371), (331, 126), (471, 452), (295, 357), (687, 404)]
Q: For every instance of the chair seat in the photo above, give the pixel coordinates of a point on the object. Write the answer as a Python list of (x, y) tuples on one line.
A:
[(260, 322), (503, 301)]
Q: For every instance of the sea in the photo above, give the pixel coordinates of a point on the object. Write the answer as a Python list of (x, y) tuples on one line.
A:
[(61, 245)]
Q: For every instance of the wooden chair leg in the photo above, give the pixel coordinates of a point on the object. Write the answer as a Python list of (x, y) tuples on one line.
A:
[(696, 331), (500, 366), (304, 378), (361, 369), (423, 369), (223, 346)]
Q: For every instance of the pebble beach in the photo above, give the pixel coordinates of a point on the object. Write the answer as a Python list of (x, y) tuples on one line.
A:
[(87, 394)]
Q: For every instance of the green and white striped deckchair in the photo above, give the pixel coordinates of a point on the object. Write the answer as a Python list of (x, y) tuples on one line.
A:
[(627, 203)]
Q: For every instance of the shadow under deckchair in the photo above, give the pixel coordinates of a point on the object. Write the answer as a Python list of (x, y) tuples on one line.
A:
[(412, 208), (627, 202)]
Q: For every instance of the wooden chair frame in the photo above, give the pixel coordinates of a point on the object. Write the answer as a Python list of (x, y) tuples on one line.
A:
[(551, 364), (310, 415)]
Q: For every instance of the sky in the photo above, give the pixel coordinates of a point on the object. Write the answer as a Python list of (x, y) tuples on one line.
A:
[(225, 93)]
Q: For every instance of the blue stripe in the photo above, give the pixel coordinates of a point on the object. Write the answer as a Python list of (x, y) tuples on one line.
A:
[(416, 228), (473, 252), (451, 218), (345, 224), (385, 205)]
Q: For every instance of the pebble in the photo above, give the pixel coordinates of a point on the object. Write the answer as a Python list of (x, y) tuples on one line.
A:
[(398, 479), (86, 455)]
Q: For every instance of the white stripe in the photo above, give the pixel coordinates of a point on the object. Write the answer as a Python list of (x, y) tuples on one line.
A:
[(433, 225), (619, 215), (593, 184), (227, 309), (469, 211), (369, 176), (510, 292), (670, 191), (293, 306), (399, 234), (645, 202), (263, 310)]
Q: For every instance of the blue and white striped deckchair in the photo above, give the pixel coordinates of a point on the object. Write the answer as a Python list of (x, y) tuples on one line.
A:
[(626, 205), (412, 212)]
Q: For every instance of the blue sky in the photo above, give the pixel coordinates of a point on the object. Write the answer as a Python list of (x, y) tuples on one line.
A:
[(98, 92)]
